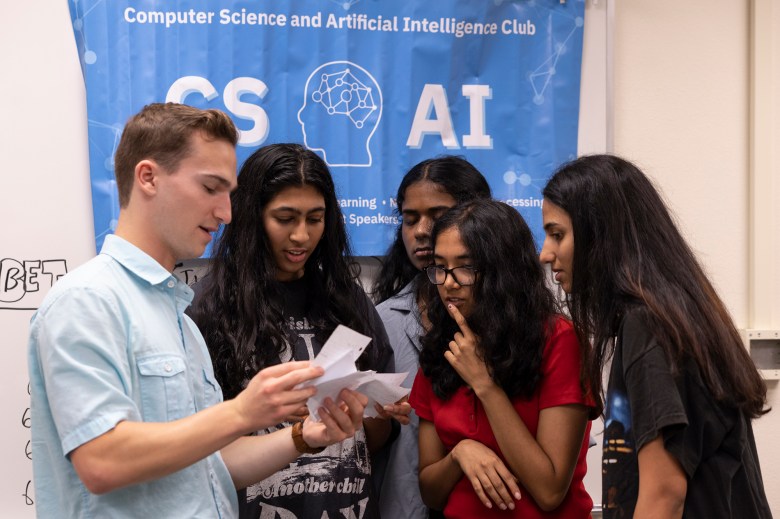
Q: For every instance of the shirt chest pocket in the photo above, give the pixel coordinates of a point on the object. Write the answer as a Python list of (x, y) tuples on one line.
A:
[(212, 392), (165, 390)]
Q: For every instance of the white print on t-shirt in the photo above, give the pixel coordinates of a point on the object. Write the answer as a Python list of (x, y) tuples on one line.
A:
[(299, 325), (272, 512), (340, 469)]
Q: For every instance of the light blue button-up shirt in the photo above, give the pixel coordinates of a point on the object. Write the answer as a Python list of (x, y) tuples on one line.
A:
[(111, 342)]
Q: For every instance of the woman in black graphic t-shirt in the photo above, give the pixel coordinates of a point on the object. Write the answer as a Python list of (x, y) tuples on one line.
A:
[(279, 284), (682, 390)]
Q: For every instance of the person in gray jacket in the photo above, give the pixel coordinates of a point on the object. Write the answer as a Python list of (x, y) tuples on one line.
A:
[(426, 192)]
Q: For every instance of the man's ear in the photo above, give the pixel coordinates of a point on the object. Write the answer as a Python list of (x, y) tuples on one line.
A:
[(146, 176)]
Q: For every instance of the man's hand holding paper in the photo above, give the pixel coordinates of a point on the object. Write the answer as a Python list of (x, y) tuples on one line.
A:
[(337, 358)]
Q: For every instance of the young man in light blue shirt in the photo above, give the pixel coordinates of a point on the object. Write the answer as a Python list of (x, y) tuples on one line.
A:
[(127, 417)]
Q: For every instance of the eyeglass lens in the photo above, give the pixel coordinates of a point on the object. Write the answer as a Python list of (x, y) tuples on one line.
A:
[(463, 275)]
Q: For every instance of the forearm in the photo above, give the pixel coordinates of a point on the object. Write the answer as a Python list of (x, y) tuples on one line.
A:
[(663, 484), (253, 458), (377, 433), (437, 481), (545, 474), (134, 452)]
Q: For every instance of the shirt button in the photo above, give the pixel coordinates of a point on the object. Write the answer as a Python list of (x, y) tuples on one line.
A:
[(168, 368), (171, 284)]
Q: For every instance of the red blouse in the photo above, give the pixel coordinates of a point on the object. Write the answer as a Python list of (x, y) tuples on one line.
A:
[(462, 416)]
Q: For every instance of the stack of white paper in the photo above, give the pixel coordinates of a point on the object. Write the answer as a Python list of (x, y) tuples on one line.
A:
[(337, 357)]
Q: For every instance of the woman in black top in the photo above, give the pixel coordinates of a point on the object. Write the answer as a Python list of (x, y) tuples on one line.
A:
[(682, 389), (279, 284)]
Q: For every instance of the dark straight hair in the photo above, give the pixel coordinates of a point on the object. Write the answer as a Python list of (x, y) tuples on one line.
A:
[(629, 254)]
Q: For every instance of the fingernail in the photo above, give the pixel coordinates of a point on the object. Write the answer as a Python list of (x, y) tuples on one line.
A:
[(449, 305), (518, 496), (511, 506), (502, 506), (489, 504)]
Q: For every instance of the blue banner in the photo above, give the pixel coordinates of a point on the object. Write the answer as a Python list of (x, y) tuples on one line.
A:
[(372, 86)]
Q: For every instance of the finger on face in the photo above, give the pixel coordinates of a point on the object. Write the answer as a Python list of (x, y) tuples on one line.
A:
[(459, 319)]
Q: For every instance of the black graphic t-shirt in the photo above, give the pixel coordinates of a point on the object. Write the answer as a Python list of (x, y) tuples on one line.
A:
[(713, 442), (335, 483)]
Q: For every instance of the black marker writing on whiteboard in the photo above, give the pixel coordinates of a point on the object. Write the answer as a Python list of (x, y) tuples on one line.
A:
[(21, 278), (27, 499), (26, 423)]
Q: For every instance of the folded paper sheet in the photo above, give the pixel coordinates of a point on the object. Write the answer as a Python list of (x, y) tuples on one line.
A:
[(337, 357)]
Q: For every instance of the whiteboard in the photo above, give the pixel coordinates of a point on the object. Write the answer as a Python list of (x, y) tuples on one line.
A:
[(45, 206)]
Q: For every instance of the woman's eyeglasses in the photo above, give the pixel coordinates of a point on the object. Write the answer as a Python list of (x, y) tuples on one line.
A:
[(464, 276)]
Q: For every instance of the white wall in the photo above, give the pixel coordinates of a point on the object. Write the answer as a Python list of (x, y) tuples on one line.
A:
[(682, 112), (765, 215), (44, 151)]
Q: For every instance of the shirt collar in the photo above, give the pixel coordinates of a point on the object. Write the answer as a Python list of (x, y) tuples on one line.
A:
[(135, 260), (404, 300)]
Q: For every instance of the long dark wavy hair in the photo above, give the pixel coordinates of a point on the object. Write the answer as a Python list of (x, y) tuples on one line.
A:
[(629, 254), (240, 311), (513, 310), (458, 178)]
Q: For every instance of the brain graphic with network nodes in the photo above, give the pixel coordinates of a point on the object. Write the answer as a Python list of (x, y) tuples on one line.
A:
[(341, 93)]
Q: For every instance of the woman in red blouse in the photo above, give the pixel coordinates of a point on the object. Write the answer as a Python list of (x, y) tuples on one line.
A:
[(503, 415)]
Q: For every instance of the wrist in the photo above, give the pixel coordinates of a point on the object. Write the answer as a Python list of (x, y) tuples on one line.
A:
[(454, 456), (236, 417), (301, 445), (454, 452), (484, 389)]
